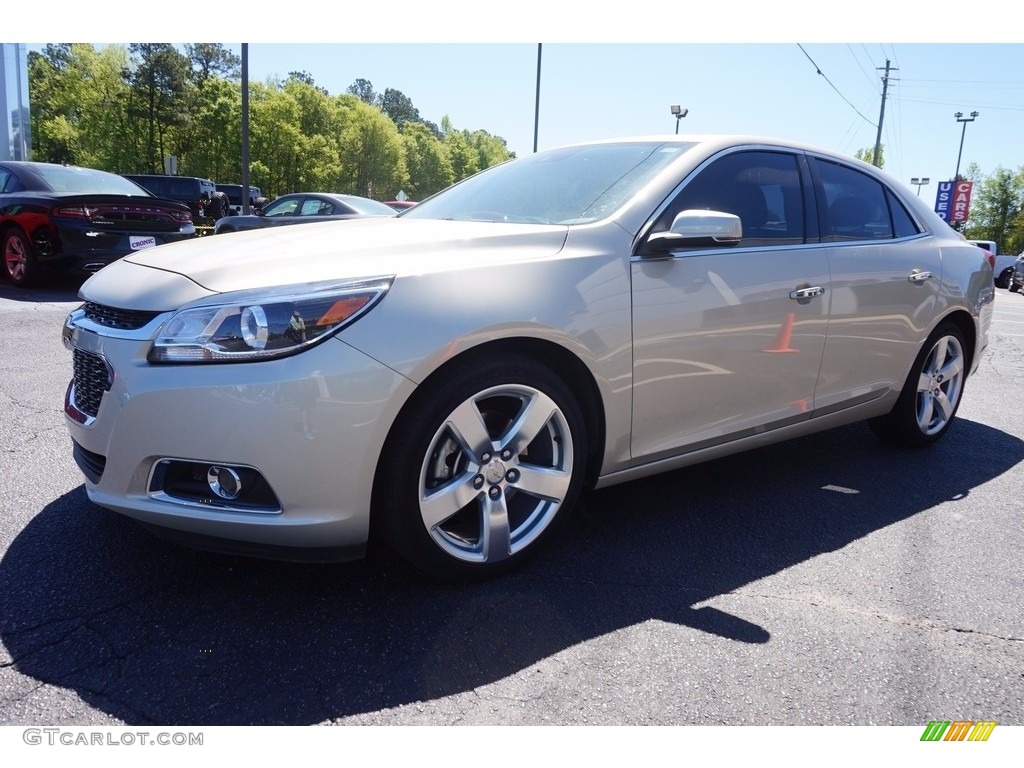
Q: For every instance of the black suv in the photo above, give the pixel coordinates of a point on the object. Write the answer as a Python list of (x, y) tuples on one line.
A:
[(191, 190), (234, 193)]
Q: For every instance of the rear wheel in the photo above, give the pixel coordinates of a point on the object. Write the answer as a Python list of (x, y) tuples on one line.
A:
[(483, 469), (1003, 281), (932, 393), (19, 261)]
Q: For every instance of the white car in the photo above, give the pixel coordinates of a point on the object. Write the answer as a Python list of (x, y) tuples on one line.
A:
[(1003, 269), (450, 379)]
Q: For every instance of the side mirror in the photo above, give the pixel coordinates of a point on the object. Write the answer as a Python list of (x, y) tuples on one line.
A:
[(696, 229)]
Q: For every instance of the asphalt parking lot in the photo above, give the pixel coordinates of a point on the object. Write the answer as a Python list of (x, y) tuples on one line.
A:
[(832, 580)]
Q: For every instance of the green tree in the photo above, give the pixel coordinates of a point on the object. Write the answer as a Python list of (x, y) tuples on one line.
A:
[(123, 108), (212, 144), (371, 153), (430, 167), (996, 207), (275, 139), (158, 81), (363, 90), (491, 150), (54, 88), (399, 108), (78, 97), (212, 60), (867, 154)]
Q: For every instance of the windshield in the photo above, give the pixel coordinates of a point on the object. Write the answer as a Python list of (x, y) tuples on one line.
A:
[(574, 185)]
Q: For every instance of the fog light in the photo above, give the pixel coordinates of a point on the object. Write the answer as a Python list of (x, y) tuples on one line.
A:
[(224, 482)]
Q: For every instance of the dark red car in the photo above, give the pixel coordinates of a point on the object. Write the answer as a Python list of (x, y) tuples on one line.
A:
[(65, 218)]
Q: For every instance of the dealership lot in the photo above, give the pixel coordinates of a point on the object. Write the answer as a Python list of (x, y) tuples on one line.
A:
[(832, 580)]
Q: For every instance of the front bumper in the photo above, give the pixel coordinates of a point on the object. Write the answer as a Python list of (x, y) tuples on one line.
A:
[(311, 426)]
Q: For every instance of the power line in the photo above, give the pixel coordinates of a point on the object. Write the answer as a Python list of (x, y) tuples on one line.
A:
[(998, 107), (818, 70)]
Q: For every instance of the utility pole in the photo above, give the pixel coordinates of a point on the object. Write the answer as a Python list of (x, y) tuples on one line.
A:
[(246, 202), (536, 108), (881, 114)]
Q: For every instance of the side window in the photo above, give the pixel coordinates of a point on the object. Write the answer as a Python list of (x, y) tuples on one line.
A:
[(762, 188), (5, 177), (855, 208), (902, 224), (282, 208), (311, 207), (156, 187)]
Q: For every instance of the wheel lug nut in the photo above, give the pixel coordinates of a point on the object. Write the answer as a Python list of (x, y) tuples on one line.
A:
[(478, 482), (495, 492), (506, 454), (484, 458), (512, 475)]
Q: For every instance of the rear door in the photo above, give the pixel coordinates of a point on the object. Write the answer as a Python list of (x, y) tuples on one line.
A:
[(885, 275)]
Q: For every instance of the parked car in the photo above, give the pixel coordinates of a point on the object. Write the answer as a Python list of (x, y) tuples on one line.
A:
[(66, 218), (449, 379), (305, 208), (234, 193), (194, 191), (1004, 263), (1017, 277)]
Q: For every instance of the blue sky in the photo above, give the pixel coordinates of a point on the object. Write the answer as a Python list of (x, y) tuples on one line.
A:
[(738, 67)]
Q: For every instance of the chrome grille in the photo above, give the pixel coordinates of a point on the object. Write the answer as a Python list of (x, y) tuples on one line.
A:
[(92, 379), (122, 319)]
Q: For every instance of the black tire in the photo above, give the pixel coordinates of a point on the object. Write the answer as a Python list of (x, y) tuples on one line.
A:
[(932, 393), (18, 258), (1013, 287), (481, 469), (1003, 281)]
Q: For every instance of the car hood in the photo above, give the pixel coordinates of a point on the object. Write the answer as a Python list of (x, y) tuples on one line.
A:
[(168, 276)]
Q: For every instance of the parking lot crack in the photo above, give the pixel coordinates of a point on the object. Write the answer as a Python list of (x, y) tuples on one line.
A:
[(901, 620)]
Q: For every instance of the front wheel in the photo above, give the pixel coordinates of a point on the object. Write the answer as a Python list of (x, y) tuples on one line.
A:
[(482, 469), (1003, 281), (932, 393)]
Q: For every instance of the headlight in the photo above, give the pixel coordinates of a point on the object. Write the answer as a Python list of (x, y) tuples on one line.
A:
[(258, 325)]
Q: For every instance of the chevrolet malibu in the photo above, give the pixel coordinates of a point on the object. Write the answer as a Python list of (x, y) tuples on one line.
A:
[(450, 379)]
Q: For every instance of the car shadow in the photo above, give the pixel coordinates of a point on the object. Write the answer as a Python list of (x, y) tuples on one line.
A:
[(57, 287), (153, 633)]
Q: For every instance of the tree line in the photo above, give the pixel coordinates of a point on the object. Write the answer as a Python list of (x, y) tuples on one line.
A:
[(123, 108)]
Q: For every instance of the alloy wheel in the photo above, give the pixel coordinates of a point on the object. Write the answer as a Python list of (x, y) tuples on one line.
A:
[(496, 473), (940, 385)]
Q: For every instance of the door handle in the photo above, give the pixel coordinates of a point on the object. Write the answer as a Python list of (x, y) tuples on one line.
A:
[(806, 293), (917, 276)]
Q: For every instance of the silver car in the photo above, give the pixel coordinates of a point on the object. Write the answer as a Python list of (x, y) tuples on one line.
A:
[(450, 379)]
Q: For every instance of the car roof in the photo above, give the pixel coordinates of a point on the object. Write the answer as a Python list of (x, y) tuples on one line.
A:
[(165, 176)]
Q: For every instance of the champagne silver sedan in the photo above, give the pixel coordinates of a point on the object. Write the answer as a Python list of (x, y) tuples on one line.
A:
[(450, 379)]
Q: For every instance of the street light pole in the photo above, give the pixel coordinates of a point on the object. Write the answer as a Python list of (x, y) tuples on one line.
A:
[(965, 120), (680, 113), (920, 182)]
